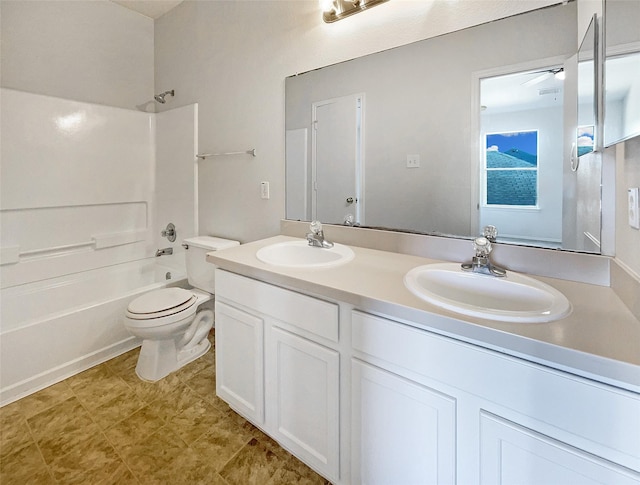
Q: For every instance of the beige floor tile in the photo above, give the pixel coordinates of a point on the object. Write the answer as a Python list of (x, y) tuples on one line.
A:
[(124, 363), (156, 451), (204, 384), (64, 416), (150, 391), (14, 433), (44, 399), (118, 476), (174, 402), (38, 477), (94, 460), (62, 429), (118, 408), (196, 420), (255, 464), (21, 465), (192, 368), (94, 396), (189, 468), (11, 411), (294, 471), (219, 446), (135, 428)]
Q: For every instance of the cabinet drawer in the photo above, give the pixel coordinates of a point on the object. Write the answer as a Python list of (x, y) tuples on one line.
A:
[(318, 317)]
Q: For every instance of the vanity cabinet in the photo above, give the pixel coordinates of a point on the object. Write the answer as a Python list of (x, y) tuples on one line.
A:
[(400, 430), (514, 421), (239, 361), (371, 399), (303, 398), (278, 365), (514, 454)]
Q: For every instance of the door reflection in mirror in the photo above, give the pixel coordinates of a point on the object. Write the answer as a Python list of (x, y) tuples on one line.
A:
[(337, 149)]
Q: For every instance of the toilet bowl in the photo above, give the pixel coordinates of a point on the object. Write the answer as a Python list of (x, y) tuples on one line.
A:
[(174, 323)]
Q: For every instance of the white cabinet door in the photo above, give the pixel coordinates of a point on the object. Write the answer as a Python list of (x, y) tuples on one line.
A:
[(303, 399), (510, 453), (239, 361), (402, 432)]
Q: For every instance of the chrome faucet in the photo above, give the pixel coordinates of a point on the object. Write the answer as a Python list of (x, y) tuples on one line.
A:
[(316, 236), (349, 220), (481, 263), (162, 252)]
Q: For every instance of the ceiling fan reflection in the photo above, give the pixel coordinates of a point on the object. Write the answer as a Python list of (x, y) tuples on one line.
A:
[(558, 73)]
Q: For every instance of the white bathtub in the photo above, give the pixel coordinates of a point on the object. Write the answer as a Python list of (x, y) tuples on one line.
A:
[(52, 329)]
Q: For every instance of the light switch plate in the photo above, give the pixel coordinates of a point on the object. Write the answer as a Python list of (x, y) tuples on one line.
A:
[(634, 208), (264, 190)]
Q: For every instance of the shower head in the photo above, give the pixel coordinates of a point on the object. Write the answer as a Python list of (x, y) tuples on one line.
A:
[(160, 97)]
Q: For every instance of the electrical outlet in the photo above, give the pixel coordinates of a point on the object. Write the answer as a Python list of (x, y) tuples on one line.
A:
[(264, 190), (634, 208), (413, 161)]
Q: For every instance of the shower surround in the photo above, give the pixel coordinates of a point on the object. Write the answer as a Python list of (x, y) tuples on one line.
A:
[(82, 197)]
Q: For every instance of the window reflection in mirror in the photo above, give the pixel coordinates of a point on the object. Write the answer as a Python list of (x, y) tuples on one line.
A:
[(585, 134), (521, 131), (622, 70)]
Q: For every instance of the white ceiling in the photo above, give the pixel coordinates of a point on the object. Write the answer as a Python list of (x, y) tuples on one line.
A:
[(150, 8), (512, 93)]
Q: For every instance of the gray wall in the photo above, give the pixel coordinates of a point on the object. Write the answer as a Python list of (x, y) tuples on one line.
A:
[(232, 58), (92, 51)]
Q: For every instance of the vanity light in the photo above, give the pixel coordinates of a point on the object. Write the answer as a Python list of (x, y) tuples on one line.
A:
[(333, 10)]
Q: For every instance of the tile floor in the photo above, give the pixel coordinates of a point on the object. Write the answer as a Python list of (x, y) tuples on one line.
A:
[(106, 426)]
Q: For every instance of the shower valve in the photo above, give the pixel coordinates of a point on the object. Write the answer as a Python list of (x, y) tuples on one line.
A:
[(169, 232)]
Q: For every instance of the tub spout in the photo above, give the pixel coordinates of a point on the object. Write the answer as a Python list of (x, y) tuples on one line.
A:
[(162, 252)]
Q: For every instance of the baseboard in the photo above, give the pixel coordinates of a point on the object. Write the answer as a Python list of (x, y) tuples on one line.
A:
[(64, 371)]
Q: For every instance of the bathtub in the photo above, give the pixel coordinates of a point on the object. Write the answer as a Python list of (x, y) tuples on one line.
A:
[(55, 328)]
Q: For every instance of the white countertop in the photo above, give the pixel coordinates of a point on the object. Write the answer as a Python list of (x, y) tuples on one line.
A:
[(600, 340)]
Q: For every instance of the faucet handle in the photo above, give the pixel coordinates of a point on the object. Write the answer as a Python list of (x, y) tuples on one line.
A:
[(169, 232), (315, 227), (482, 247), (490, 232)]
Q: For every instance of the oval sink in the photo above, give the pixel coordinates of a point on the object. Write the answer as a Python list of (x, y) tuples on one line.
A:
[(513, 298), (298, 254)]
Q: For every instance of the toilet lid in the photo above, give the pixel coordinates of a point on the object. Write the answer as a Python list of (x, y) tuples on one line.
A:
[(160, 303)]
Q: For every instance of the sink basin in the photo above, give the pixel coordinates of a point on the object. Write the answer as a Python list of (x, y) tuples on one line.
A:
[(298, 254), (513, 298)]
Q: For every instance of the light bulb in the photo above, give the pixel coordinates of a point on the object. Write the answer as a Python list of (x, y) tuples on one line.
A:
[(560, 75), (327, 5)]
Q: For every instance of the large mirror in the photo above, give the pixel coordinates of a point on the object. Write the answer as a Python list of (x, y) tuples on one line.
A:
[(587, 122), (622, 70), (399, 139)]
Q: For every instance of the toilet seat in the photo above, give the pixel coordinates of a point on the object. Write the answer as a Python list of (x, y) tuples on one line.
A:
[(161, 307)]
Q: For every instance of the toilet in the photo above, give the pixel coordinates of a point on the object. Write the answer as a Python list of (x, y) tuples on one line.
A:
[(174, 322)]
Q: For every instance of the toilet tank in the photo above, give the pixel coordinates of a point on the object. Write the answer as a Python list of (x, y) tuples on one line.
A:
[(200, 273)]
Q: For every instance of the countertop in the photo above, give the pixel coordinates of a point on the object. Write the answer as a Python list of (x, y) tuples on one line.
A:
[(599, 340)]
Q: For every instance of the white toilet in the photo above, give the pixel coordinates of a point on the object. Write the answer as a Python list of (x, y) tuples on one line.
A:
[(174, 332)]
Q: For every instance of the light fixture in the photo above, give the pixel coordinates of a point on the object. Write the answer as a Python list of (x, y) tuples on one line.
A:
[(333, 10)]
